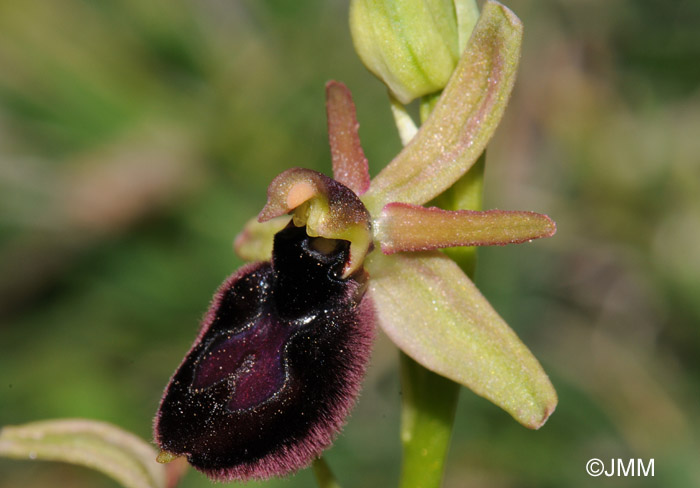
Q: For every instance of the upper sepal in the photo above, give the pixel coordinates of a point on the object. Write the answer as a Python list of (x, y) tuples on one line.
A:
[(464, 119)]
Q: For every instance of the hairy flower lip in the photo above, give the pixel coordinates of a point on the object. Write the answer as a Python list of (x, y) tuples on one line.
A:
[(326, 326)]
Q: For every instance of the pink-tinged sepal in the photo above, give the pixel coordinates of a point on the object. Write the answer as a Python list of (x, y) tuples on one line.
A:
[(254, 242), (464, 119), (276, 367), (435, 314), (405, 227)]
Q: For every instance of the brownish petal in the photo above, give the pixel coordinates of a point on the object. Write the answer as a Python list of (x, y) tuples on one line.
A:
[(349, 161), (405, 227)]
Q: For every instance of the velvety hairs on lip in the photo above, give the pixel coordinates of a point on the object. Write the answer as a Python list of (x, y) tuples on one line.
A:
[(277, 364)]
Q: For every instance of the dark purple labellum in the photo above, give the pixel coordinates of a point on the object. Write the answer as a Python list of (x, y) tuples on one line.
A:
[(276, 367)]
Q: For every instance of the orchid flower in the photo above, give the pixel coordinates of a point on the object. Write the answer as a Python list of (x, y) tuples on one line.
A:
[(280, 355), (278, 361)]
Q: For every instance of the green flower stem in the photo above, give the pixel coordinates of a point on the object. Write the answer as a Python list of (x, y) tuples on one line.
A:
[(324, 475), (427, 104), (428, 409), (429, 401)]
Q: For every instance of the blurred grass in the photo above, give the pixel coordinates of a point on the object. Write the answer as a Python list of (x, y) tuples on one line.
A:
[(137, 137)]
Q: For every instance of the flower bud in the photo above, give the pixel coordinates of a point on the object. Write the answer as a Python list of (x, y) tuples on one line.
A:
[(411, 45)]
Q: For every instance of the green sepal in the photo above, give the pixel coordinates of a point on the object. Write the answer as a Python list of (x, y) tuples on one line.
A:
[(254, 242), (464, 119), (435, 314)]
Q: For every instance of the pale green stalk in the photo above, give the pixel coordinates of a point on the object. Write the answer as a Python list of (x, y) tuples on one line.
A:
[(324, 475), (429, 401)]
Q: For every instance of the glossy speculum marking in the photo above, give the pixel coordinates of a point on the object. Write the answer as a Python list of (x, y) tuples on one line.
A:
[(277, 364)]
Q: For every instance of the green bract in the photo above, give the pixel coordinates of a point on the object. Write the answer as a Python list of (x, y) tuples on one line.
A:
[(424, 302), (98, 445), (411, 45)]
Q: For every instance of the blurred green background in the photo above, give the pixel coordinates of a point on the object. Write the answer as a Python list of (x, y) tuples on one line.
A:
[(137, 137)]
